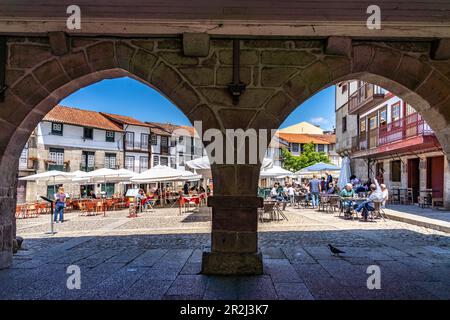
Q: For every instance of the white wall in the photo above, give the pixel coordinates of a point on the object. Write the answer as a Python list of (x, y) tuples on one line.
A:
[(73, 137)]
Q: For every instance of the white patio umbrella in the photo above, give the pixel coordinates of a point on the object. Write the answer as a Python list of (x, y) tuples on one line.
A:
[(344, 176), (157, 174), (274, 172), (105, 175), (52, 175), (186, 175)]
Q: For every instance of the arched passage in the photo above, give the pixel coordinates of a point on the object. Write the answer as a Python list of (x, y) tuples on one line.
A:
[(280, 75)]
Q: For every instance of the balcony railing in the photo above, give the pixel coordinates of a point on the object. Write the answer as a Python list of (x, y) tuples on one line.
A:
[(408, 127), (366, 95)]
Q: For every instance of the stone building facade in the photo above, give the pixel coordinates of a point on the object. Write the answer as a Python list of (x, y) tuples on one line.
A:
[(386, 138)]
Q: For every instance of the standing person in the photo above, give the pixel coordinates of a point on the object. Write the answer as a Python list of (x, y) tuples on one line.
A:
[(323, 184), (60, 202), (329, 178), (186, 188), (291, 194), (314, 187)]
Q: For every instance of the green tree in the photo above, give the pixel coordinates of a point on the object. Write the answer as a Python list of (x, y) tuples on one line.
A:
[(309, 156)]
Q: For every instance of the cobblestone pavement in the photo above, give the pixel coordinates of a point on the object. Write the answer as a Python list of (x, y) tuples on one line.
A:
[(158, 256)]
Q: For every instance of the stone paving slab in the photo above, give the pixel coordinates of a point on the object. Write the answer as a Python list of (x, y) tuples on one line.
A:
[(164, 262)]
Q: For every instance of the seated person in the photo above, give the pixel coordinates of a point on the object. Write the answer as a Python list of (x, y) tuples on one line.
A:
[(331, 188), (347, 192), (274, 193), (367, 206)]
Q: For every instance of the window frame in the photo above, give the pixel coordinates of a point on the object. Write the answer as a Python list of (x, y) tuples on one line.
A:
[(110, 139), (57, 132), (396, 176), (85, 137)]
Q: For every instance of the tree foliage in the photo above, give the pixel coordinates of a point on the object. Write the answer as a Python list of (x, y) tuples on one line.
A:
[(309, 156)]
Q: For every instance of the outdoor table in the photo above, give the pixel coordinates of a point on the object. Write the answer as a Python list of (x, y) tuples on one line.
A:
[(189, 200)]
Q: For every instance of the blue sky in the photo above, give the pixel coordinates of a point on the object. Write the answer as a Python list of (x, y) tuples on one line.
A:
[(129, 97)]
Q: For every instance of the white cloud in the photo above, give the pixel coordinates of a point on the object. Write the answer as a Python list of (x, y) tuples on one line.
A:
[(319, 121)]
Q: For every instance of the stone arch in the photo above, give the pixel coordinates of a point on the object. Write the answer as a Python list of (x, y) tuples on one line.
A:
[(280, 75)]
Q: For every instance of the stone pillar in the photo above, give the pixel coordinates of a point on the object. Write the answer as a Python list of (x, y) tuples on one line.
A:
[(447, 182), (8, 194), (234, 238)]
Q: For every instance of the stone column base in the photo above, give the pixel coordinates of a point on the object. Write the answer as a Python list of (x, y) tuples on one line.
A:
[(5, 259), (230, 263)]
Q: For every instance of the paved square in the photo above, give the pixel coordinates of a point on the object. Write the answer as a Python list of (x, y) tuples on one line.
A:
[(158, 256)]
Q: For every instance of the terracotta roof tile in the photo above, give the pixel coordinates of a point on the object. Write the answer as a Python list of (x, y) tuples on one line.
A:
[(307, 138), (79, 117), (124, 119), (168, 128)]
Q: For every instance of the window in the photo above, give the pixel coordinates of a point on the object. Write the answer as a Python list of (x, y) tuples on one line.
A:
[(110, 160), (295, 147), (362, 125), (344, 124), (409, 110), (56, 156), (129, 140), (154, 139), (344, 88), (56, 159), (396, 171), (321, 148), (110, 136), (57, 128), (143, 164), (373, 122), (395, 111), (144, 141), (155, 160), (23, 161), (173, 163), (88, 133), (180, 139), (87, 161), (383, 116), (129, 163), (164, 161)]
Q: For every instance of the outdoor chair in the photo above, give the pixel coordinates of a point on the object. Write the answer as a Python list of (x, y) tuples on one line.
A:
[(379, 211), (407, 197), (31, 211), (333, 204), (297, 200), (20, 210), (279, 208), (268, 208), (323, 203)]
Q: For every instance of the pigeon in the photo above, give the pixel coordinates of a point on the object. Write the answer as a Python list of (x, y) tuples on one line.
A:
[(334, 250)]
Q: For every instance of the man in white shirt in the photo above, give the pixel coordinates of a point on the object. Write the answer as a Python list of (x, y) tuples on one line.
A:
[(291, 194)]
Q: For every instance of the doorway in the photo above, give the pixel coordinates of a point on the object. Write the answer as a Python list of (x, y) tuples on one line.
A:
[(435, 176), (414, 177)]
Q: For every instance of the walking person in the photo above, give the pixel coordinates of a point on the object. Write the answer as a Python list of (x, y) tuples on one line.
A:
[(314, 188), (60, 202)]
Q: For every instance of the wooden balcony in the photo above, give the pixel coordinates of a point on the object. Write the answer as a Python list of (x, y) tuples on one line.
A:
[(364, 98), (406, 134)]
